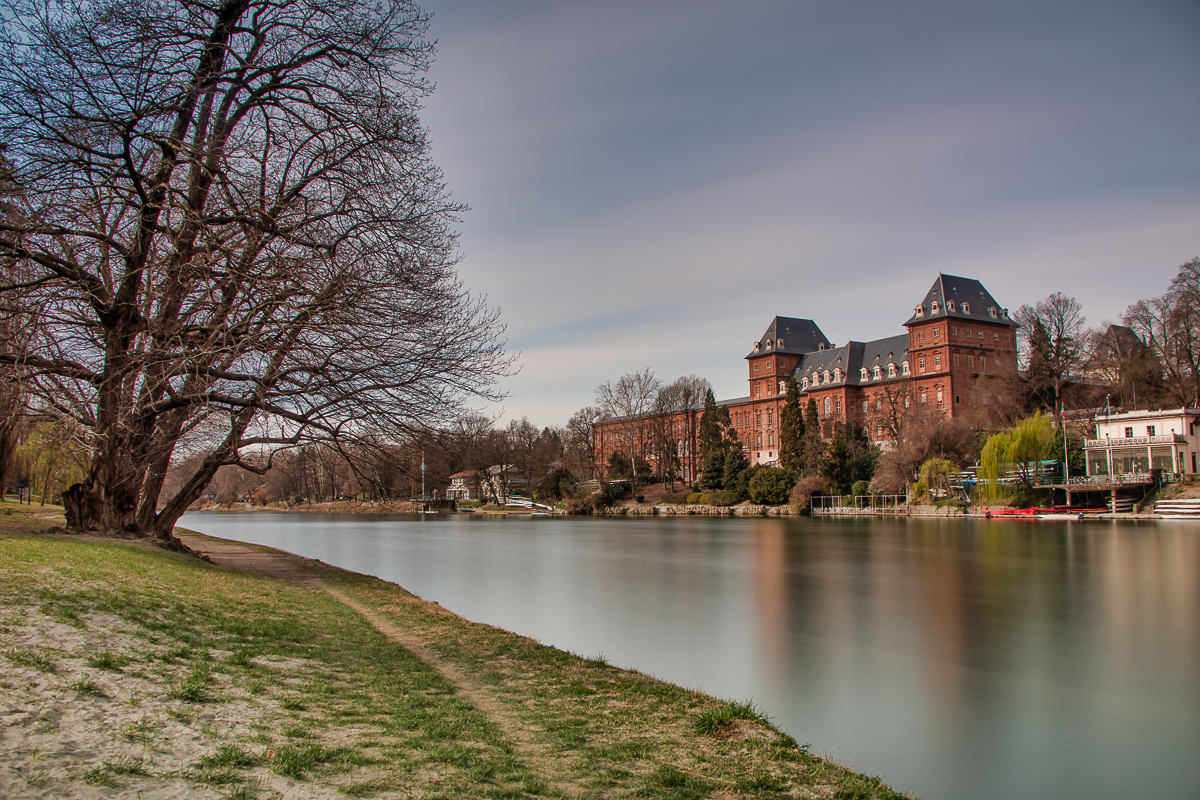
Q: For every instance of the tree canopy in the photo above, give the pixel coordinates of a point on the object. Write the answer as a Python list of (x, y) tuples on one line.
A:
[(228, 234)]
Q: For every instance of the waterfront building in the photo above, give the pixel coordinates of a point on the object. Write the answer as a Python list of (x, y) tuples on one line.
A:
[(1137, 442), (957, 357)]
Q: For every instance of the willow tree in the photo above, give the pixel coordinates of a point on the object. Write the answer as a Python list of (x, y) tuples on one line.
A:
[(230, 232)]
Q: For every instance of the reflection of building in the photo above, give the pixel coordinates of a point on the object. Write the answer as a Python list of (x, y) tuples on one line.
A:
[(955, 356), (1139, 441)]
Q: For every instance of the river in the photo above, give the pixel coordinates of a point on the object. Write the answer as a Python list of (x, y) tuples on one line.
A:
[(959, 659)]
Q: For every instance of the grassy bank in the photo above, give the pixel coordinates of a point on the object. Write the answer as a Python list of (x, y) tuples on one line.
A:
[(130, 671)]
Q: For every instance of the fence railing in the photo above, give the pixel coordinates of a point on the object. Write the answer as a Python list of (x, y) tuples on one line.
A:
[(858, 504)]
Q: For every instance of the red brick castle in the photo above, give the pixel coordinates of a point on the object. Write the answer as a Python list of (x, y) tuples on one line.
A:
[(958, 358)]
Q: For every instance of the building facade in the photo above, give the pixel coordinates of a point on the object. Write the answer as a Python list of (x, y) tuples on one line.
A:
[(1137, 442), (958, 357)]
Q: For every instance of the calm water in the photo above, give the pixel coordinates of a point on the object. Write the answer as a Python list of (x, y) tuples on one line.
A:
[(959, 659)]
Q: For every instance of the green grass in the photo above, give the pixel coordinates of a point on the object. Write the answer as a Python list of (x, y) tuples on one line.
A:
[(342, 706)]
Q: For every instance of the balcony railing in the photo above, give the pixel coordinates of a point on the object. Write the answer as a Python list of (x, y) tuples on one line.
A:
[(1134, 441)]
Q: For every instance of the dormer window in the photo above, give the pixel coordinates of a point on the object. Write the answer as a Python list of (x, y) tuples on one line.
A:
[(891, 370), (863, 373), (779, 342), (919, 311), (904, 367), (768, 344), (821, 346), (966, 308), (757, 346), (782, 387), (992, 312), (826, 376), (878, 373), (933, 307), (950, 306), (837, 376), (804, 382)]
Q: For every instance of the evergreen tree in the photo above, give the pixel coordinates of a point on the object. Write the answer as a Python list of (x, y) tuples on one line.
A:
[(715, 442), (735, 462), (791, 429), (814, 444)]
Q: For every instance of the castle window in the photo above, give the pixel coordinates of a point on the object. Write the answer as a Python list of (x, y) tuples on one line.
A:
[(837, 376), (924, 398), (863, 373), (768, 417), (837, 406), (939, 398), (920, 334), (879, 430), (804, 382), (970, 361), (758, 419), (981, 364), (950, 305), (759, 440), (878, 373), (937, 362), (933, 307), (954, 331), (968, 332), (1006, 337), (891, 370), (770, 440), (920, 365), (782, 387), (956, 359), (995, 337), (826, 376), (992, 312), (864, 406), (779, 342), (826, 404), (966, 308), (937, 331), (878, 402), (904, 368), (907, 399), (919, 311)]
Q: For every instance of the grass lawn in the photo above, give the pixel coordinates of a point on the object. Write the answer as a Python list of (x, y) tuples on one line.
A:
[(132, 671)]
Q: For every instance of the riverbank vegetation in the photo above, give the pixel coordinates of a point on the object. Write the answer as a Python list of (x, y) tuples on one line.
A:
[(138, 670)]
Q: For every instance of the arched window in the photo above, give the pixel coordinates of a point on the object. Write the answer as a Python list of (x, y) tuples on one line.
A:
[(826, 404)]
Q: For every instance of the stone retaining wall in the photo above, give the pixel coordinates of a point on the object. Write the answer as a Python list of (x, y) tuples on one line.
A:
[(698, 511)]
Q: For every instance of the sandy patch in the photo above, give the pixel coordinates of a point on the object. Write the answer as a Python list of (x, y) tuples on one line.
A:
[(83, 732)]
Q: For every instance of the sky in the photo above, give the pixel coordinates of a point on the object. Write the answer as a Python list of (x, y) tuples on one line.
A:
[(650, 183)]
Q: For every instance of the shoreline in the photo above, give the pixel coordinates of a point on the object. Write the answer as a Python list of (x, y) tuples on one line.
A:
[(571, 726)]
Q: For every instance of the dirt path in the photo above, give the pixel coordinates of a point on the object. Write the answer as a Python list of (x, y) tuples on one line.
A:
[(306, 572)]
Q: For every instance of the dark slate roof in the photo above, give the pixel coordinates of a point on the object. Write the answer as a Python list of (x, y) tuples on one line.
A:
[(1118, 342), (949, 293), (799, 336), (851, 358)]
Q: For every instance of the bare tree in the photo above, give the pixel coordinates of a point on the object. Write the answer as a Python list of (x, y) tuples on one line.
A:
[(228, 223), (580, 444), (1170, 325), (1053, 341), (629, 402)]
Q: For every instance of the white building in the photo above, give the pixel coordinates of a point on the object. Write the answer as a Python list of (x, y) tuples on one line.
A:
[(1137, 442)]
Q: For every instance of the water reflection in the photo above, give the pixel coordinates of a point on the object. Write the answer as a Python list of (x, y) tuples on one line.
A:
[(961, 659)]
